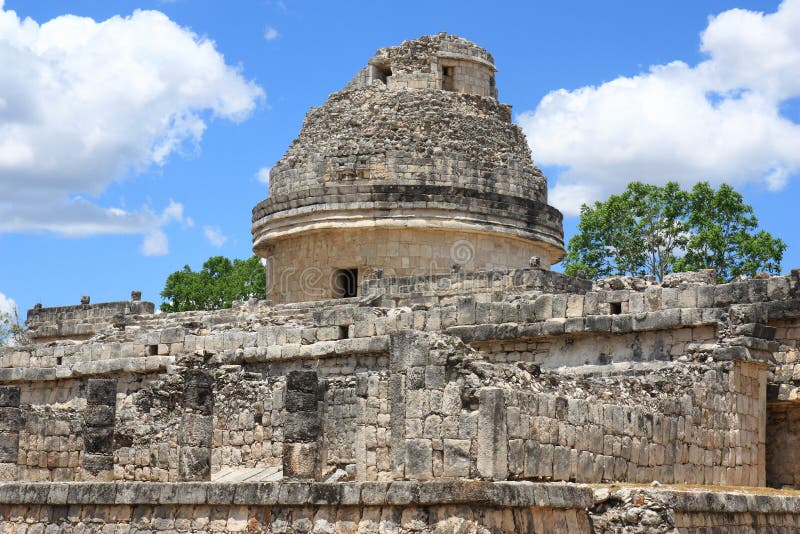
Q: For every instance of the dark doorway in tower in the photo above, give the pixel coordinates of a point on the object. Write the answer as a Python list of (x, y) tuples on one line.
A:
[(447, 78), (345, 283)]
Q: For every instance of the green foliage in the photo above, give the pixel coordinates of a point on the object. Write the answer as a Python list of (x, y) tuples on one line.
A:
[(655, 230), (724, 236), (215, 286), (636, 233), (12, 331)]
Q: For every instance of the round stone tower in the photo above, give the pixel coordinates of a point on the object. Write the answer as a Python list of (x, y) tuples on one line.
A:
[(414, 168)]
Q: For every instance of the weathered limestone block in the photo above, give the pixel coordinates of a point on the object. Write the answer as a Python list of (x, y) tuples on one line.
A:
[(419, 459), (196, 426), (10, 424), (456, 458), (98, 432), (492, 460), (303, 425)]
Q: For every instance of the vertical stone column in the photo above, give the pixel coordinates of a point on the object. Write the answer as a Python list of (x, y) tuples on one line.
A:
[(492, 461), (398, 344), (98, 433), (413, 378), (197, 424), (303, 425), (10, 422), (761, 418)]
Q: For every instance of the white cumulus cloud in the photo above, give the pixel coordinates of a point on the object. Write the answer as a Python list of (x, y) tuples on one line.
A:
[(85, 102), (7, 304), (270, 33), (215, 235), (155, 243), (9, 308), (719, 120), (263, 175)]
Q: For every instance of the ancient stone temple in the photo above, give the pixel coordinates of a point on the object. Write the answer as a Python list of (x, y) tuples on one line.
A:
[(411, 169), (394, 383)]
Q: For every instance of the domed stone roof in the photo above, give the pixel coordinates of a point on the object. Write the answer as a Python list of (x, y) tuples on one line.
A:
[(416, 139)]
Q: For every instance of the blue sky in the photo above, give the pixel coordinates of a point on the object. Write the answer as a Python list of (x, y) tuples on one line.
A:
[(132, 146)]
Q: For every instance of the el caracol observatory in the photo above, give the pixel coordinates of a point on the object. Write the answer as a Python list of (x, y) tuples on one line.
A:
[(413, 168), (494, 395)]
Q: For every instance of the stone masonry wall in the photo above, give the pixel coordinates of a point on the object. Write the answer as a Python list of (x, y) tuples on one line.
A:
[(384, 416), (710, 433), (248, 422), (84, 320), (304, 267), (437, 411), (598, 349)]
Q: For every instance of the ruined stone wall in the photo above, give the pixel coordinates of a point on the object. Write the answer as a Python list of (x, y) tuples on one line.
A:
[(415, 55), (422, 63), (248, 421), (660, 510), (51, 437), (597, 348), (787, 357), (521, 375), (695, 425), (783, 409), (432, 408), (148, 417), (84, 320)]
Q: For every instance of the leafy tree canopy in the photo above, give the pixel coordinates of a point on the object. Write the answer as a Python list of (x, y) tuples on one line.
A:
[(656, 230), (215, 286)]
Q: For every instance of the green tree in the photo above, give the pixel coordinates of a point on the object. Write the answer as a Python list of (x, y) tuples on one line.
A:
[(215, 286), (656, 230), (724, 236)]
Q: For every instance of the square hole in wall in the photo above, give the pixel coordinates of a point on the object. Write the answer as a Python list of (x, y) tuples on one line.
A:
[(345, 283), (152, 350), (616, 308)]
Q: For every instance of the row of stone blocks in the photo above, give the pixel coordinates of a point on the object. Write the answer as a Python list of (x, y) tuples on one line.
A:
[(352, 328), (506, 494), (510, 494), (441, 507)]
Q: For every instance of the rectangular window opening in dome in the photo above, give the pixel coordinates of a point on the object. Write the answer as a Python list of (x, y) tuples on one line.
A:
[(345, 283), (382, 73), (448, 72)]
